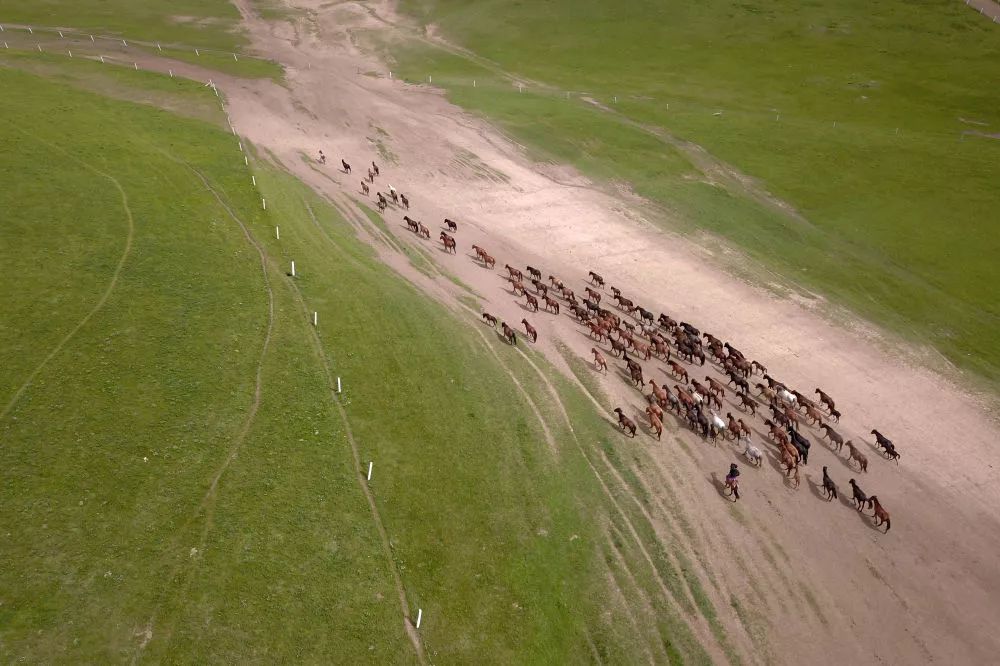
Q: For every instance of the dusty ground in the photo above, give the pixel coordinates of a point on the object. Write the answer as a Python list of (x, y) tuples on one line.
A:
[(824, 579)]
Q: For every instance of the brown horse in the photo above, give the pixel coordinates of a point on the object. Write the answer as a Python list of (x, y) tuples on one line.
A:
[(411, 224), (347, 167), (449, 243), (597, 331), (375, 167), (813, 415), (660, 392), (490, 319), (624, 422), (479, 251), (532, 302), (886, 445), (594, 295), (881, 515), (596, 279), (517, 287), (678, 371), (530, 330), (856, 454), (406, 202), (600, 362), (508, 333), (655, 423), (825, 399), (834, 436), (489, 261), (364, 188), (534, 272), (636, 373), (514, 272), (746, 402), (552, 304), (617, 347)]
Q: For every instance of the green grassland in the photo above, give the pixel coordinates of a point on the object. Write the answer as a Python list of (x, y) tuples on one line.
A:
[(178, 482), (208, 23), (867, 118)]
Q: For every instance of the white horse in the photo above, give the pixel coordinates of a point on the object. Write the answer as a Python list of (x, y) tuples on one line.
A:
[(790, 397), (752, 453)]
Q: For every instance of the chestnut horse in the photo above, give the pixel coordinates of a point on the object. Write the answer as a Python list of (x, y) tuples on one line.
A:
[(600, 362), (532, 302), (530, 330), (490, 319), (449, 243), (881, 515)]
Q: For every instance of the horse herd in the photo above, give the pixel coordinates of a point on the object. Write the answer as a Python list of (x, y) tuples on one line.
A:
[(634, 335)]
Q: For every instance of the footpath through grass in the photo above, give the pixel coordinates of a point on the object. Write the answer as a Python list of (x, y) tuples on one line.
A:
[(176, 481), (870, 118)]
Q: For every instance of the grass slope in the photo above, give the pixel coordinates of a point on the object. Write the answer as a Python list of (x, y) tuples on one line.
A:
[(899, 226), (177, 482)]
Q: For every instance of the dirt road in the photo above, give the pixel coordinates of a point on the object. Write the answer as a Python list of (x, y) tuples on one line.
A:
[(825, 580)]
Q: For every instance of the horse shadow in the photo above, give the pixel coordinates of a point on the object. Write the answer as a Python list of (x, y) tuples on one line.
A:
[(817, 489)]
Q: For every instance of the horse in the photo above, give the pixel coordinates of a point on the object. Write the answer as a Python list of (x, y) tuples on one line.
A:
[(382, 204), (813, 415), (449, 243), (825, 399), (800, 443), (659, 392), (636, 372), (489, 261), (655, 423), (597, 331), (833, 435), (530, 330), (371, 176), (452, 226), (624, 422), (732, 427), (855, 454), (552, 304), (886, 444), (509, 334), (394, 194), (532, 302), (678, 371), (859, 495), (347, 167), (423, 231), (600, 362), (756, 365), (322, 157), (514, 273), (881, 515), (406, 202), (364, 188), (746, 402), (835, 415), (752, 453), (829, 486), (411, 224), (490, 319), (596, 279), (375, 167), (594, 295), (534, 272), (617, 347)]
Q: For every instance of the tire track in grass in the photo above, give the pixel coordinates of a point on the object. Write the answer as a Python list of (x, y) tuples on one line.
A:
[(111, 283), (208, 502), (317, 347)]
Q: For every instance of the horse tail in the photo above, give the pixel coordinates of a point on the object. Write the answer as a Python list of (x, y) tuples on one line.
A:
[(888, 524)]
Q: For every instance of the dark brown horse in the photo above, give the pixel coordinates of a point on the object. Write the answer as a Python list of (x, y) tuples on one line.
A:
[(449, 243), (596, 279), (829, 487), (452, 226), (508, 333), (490, 319), (859, 495), (625, 423)]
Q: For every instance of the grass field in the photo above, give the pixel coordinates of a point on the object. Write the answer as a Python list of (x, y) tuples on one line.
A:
[(178, 482), (868, 118)]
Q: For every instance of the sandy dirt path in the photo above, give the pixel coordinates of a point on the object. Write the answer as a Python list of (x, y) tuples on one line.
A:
[(822, 578)]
